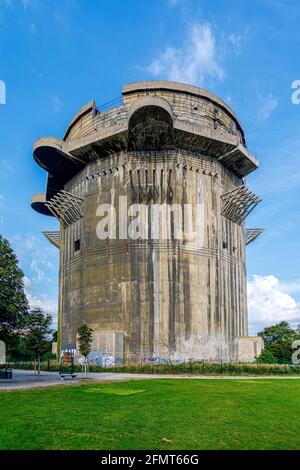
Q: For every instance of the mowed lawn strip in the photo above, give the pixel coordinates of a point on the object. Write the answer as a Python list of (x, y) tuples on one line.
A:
[(154, 414)]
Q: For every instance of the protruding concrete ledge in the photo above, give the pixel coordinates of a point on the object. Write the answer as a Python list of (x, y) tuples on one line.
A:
[(236, 156), (249, 156), (47, 151), (102, 134), (50, 154), (239, 160), (38, 203), (84, 146)]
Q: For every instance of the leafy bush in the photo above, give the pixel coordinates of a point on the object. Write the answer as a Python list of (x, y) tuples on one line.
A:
[(267, 357), (185, 368)]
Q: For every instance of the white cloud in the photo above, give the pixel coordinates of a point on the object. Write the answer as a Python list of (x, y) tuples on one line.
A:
[(193, 62), (27, 282), (29, 246), (33, 28), (40, 275), (7, 167), (7, 3), (174, 3), (57, 103), (46, 304), (42, 301), (270, 301), (28, 3), (267, 106), (292, 287), (236, 40), (37, 258)]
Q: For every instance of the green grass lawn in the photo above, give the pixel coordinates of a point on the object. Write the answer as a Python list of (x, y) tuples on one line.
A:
[(154, 414)]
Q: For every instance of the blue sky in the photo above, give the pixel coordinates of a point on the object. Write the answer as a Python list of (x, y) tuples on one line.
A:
[(57, 55)]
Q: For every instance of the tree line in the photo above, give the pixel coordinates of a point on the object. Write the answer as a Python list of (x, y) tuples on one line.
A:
[(26, 332)]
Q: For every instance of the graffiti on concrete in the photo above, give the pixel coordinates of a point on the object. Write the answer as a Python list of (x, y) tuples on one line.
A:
[(69, 349), (108, 360), (153, 360), (68, 352), (98, 358), (163, 360)]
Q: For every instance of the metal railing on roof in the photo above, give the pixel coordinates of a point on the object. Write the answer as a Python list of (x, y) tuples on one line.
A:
[(109, 104)]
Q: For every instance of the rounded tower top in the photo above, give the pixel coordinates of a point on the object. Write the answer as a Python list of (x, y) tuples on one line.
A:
[(153, 115), (178, 87)]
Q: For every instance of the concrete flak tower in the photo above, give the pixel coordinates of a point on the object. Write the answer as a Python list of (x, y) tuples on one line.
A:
[(151, 199)]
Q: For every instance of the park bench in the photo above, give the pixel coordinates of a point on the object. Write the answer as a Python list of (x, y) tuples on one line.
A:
[(67, 375), (6, 373)]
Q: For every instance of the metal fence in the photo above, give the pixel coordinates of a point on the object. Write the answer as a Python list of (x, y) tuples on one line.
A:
[(171, 367)]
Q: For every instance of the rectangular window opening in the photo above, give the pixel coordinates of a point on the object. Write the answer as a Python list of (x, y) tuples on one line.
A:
[(76, 246)]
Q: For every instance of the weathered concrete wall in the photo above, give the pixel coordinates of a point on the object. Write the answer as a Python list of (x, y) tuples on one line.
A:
[(180, 298), (249, 348)]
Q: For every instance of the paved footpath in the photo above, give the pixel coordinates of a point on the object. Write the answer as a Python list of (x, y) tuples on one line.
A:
[(25, 379)]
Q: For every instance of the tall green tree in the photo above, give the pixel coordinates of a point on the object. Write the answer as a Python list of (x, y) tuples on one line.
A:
[(278, 340), (85, 339), (38, 335), (13, 302)]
